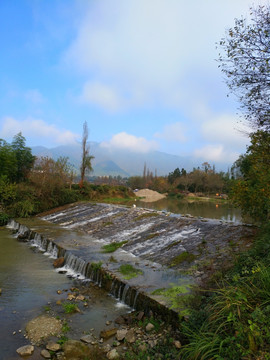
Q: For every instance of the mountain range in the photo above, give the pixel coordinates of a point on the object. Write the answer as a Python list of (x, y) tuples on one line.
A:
[(116, 162)]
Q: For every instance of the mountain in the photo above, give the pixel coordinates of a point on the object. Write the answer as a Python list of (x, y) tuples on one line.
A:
[(118, 162)]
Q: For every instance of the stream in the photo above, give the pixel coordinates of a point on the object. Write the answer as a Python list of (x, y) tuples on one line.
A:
[(29, 284)]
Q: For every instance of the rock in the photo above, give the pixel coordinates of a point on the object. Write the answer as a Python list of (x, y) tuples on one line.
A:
[(140, 315), (107, 348), (52, 346), (108, 323), (113, 354), (58, 302), (25, 350), (0, 291), (120, 320), (75, 349), (59, 262), (45, 353), (59, 292), (71, 297), (177, 344), (152, 343), (149, 327), (88, 339), (80, 298), (121, 334), (130, 336), (106, 334)]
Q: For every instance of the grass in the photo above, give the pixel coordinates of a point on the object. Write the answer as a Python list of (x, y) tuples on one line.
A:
[(233, 321), (112, 247), (146, 215), (185, 256), (129, 271), (70, 308)]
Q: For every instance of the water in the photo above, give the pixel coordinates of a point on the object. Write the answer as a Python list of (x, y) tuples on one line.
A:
[(29, 282), (206, 209)]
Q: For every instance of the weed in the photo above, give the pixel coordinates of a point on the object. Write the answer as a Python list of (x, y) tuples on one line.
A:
[(65, 327), (129, 271), (112, 247), (70, 308), (185, 256), (96, 266), (62, 340), (146, 215), (47, 308), (112, 259), (151, 236)]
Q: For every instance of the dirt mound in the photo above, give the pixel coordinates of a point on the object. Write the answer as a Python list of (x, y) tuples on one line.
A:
[(149, 195)]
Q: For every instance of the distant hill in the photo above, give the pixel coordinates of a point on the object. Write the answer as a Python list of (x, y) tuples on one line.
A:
[(116, 162)]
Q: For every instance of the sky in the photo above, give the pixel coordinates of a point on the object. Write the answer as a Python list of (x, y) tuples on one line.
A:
[(142, 73)]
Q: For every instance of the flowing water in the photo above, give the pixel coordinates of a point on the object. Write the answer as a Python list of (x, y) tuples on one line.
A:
[(29, 282)]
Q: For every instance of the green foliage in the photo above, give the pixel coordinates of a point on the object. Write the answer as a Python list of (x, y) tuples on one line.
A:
[(252, 192), (112, 247), (129, 271), (3, 219), (96, 266), (65, 327), (69, 307), (234, 322)]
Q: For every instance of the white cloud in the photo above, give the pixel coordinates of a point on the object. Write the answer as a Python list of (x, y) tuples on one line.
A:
[(151, 49), (225, 128), (37, 129), (102, 95), (35, 96), (216, 153), (173, 132), (124, 141)]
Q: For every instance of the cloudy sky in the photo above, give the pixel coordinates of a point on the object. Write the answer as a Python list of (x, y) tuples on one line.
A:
[(142, 73)]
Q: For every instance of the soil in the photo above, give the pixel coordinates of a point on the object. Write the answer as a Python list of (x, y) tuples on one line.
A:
[(149, 195)]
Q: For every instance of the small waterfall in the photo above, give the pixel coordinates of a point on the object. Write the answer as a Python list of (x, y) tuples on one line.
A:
[(135, 300), (39, 242), (12, 224), (52, 250), (124, 295), (74, 266)]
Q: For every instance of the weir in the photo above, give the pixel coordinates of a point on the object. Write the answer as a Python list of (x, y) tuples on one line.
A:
[(169, 251), (77, 268)]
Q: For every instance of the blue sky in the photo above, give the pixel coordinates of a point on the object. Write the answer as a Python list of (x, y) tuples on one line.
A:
[(142, 73)]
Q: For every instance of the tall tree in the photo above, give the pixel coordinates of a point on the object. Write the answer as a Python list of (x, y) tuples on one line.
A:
[(23, 154), (86, 164), (244, 59)]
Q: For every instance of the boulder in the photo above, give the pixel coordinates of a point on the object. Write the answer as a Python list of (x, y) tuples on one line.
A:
[(121, 334), (130, 336), (45, 354), (26, 350), (52, 346), (149, 327), (59, 262), (113, 354), (106, 334), (88, 339), (75, 349)]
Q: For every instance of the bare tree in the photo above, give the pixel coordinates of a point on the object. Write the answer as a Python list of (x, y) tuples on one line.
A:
[(86, 164)]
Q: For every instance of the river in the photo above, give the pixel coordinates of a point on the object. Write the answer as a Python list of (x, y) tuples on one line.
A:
[(29, 284)]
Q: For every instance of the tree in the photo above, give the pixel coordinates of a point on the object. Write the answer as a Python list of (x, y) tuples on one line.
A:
[(25, 159), (245, 62), (86, 164), (252, 191)]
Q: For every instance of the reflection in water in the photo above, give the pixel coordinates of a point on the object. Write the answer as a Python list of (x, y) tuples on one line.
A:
[(206, 209)]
